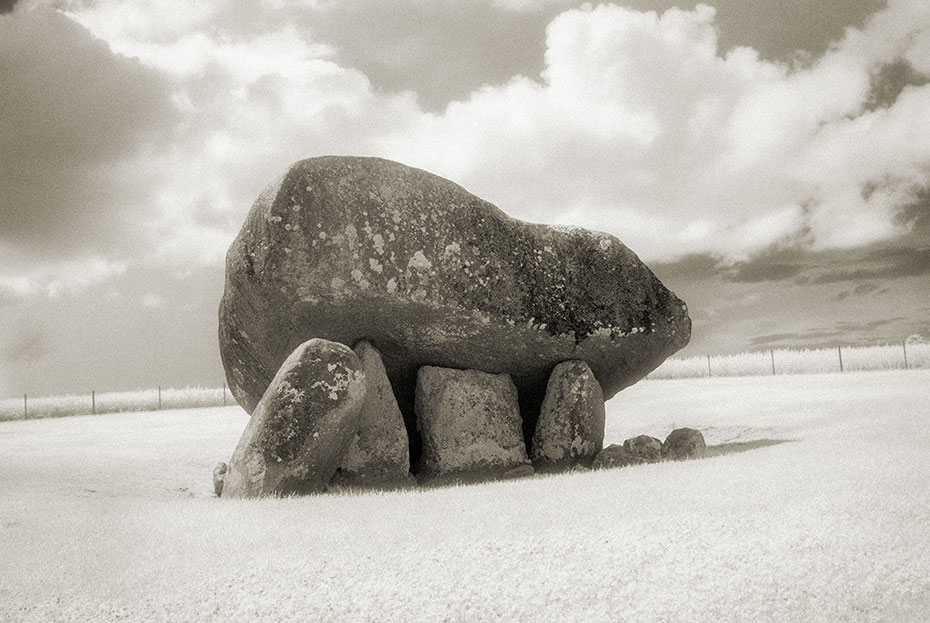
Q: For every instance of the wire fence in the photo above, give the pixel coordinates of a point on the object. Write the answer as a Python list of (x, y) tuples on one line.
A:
[(903, 356), (92, 402)]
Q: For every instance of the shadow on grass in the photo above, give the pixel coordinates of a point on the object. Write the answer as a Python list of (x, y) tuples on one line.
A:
[(741, 446)]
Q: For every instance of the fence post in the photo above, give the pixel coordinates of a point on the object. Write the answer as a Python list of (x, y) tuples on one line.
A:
[(224, 393), (93, 402), (159, 397), (708, 366), (25, 408), (772, 355), (904, 345), (839, 350)]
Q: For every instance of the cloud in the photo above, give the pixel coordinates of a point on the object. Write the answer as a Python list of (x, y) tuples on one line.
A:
[(151, 300), (641, 128), (76, 119), (639, 123), (60, 278)]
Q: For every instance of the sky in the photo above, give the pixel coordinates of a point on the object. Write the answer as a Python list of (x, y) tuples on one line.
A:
[(769, 161)]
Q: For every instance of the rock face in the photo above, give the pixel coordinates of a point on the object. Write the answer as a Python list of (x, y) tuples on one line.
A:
[(469, 422), (349, 248), (615, 455), (647, 448), (379, 453), (570, 428), (684, 443), (302, 426)]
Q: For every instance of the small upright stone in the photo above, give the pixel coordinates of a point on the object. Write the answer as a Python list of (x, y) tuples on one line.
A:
[(570, 428), (219, 476), (684, 443), (645, 447), (302, 426), (470, 424), (378, 455)]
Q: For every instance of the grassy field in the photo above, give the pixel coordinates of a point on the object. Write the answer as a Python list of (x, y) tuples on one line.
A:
[(814, 507)]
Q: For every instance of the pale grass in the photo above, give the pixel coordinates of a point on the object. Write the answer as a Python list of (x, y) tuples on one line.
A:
[(802, 361), (111, 518)]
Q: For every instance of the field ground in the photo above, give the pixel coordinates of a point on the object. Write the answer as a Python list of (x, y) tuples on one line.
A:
[(112, 518)]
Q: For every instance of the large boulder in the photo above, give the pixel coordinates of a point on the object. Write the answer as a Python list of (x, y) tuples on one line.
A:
[(684, 443), (470, 424), (570, 428), (302, 426), (378, 454), (349, 248)]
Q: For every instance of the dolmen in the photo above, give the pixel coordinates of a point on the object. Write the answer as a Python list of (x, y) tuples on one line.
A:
[(385, 327)]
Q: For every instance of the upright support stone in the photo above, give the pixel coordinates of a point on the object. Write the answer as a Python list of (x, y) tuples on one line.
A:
[(470, 424), (302, 426), (570, 428), (379, 454)]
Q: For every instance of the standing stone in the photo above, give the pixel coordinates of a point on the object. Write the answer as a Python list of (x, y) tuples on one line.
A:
[(302, 426), (684, 443), (347, 248), (616, 455), (379, 453), (219, 476), (570, 428), (469, 422), (645, 447)]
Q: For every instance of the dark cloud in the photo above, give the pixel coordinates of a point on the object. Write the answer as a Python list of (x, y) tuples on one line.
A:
[(888, 82), (886, 263), (74, 116), (25, 347), (843, 333), (442, 50), (792, 338), (762, 270), (6, 6), (688, 268), (916, 215), (860, 290)]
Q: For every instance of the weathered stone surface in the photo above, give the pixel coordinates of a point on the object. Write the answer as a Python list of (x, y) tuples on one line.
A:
[(302, 426), (469, 422), (219, 476), (362, 248), (645, 447), (615, 455), (378, 454), (570, 428), (684, 443)]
